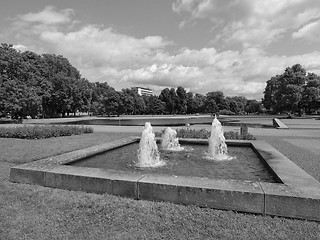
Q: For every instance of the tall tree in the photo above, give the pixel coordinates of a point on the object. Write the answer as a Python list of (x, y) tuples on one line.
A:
[(154, 105), (112, 102), (284, 92), (311, 94), (181, 105), (253, 106), (269, 100), (191, 103), (19, 83), (211, 106), (169, 98), (218, 98), (137, 101)]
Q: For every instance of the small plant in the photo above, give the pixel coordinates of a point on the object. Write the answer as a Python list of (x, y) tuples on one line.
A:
[(42, 131)]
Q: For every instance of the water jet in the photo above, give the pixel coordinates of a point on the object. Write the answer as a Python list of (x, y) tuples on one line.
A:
[(148, 154), (170, 141)]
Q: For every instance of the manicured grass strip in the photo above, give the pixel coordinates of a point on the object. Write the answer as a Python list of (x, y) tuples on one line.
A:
[(23, 150), (42, 131), (33, 212)]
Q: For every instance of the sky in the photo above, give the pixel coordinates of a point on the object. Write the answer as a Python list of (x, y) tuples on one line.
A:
[(233, 46)]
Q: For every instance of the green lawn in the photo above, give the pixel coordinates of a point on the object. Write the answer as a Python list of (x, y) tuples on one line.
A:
[(34, 212)]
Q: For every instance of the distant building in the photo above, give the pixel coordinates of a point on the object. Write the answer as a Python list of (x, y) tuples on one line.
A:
[(144, 91)]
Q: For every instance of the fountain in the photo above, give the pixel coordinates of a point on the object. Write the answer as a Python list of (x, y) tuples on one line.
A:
[(148, 154), (217, 145), (170, 140), (261, 181)]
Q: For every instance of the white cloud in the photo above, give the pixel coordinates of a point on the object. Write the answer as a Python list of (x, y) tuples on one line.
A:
[(165, 75), (310, 32), (96, 46), (253, 23), (49, 15), (20, 47), (48, 19), (103, 54)]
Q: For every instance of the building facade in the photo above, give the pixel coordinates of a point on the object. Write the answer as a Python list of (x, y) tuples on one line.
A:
[(144, 91)]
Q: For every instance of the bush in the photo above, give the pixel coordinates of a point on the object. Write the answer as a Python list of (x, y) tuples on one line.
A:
[(226, 112), (42, 131), (205, 134)]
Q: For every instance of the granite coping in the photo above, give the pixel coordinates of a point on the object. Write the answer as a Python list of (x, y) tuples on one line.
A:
[(296, 195)]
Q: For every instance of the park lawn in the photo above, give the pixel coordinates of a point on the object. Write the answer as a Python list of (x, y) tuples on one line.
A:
[(22, 150), (35, 212)]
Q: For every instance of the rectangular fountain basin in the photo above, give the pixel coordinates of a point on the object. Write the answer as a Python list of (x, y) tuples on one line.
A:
[(189, 160), (294, 194)]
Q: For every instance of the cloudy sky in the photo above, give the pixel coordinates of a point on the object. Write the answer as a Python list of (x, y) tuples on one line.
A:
[(233, 46)]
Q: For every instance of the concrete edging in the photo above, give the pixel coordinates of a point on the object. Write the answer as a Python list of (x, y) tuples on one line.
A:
[(278, 124)]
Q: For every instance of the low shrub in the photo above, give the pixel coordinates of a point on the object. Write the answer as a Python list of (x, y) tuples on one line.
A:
[(226, 112), (193, 133), (205, 134), (42, 131)]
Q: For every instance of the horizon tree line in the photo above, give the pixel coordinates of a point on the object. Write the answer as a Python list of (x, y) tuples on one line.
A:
[(47, 85)]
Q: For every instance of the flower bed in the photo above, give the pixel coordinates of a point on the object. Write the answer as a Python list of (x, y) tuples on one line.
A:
[(42, 131)]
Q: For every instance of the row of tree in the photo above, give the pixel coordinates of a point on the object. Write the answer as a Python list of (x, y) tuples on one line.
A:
[(48, 85), (294, 91), (106, 101), (32, 84)]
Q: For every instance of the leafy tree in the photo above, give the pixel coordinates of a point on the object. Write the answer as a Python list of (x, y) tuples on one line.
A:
[(32, 84), (140, 105), (112, 102), (284, 92), (168, 97), (81, 95), (64, 78), (269, 100), (20, 82), (211, 106), (233, 105), (290, 89), (253, 106), (11, 92), (128, 100), (200, 101), (311, 94), (191, 103), (154, 105), (218, 98), (36, 77), (181, 105), (174, 101), (240, 101), (136, 102)]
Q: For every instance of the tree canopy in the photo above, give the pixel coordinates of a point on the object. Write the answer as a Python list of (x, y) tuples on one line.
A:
[(293, 91), (47, 85)]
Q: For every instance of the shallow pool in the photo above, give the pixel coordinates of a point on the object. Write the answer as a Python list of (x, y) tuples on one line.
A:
[(192, 161)]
